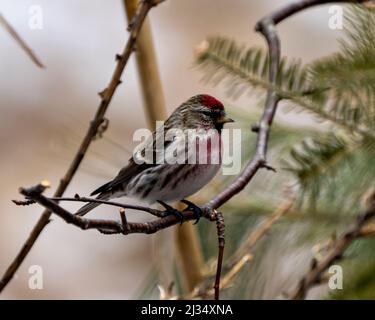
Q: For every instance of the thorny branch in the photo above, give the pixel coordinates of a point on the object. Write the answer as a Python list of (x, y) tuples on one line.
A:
[(106, 97)]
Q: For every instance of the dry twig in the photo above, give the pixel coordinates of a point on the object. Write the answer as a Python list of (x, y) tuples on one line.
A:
[(20, 41), (221, 243)]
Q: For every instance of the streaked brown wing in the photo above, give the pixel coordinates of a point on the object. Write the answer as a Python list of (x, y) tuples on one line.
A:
[(131, 170)]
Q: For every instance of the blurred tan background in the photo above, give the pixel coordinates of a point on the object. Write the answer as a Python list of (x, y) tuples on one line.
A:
[(44, 114)]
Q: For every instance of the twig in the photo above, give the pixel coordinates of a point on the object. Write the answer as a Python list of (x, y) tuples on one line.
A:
[(154, 212), (368, 231), (23, 202), (297, 6), (230, 275), (167, 293), (106, 98), (20, 41), (124, 221), (317, 269), (221, 239), (203, 291)]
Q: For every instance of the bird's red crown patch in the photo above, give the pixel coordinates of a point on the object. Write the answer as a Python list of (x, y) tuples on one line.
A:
[(211, 102)]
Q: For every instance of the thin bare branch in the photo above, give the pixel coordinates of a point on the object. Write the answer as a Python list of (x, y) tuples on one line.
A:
[(221, 243), (297, 6), (154, 212), (77, 198), (14, 34)]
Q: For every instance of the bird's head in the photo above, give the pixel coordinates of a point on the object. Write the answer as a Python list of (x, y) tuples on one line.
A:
[(204, 111)]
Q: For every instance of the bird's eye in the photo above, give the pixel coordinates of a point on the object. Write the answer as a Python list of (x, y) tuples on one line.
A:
[(211, 113), (207, 113)]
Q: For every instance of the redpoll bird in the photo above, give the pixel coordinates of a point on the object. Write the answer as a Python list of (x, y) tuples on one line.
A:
[(160, 180)]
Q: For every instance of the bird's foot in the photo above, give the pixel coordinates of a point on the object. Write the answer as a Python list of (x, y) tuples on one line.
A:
[(169, 210), (198, 212)]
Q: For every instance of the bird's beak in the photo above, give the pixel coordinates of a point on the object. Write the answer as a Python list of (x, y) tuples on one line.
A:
[(224, 119)]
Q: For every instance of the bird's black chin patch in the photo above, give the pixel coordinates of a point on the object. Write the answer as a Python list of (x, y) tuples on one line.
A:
[(219, 127)]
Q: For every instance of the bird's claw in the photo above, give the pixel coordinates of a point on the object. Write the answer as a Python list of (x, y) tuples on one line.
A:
[(198, 212), (169, 210)]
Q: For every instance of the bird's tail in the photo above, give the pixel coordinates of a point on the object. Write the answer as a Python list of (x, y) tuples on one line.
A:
[(91, 205)]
